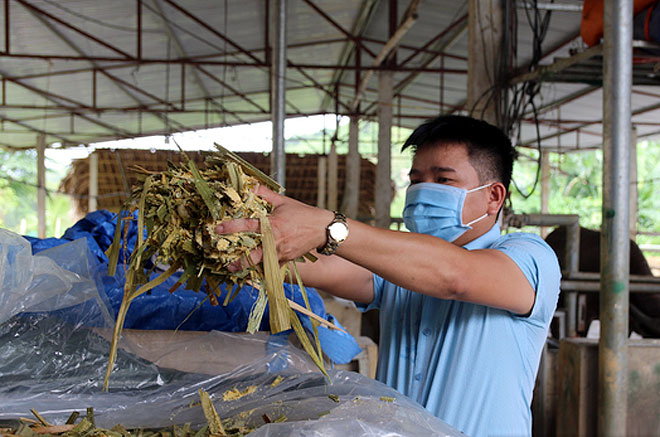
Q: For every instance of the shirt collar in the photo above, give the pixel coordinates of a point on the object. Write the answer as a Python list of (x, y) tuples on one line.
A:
[(485, 240)]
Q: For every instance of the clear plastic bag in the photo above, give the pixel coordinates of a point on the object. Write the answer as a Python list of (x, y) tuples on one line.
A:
[(54, 346), (59, 277)]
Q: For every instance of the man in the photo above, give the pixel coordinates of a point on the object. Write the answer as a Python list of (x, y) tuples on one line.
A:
[(464, 312)]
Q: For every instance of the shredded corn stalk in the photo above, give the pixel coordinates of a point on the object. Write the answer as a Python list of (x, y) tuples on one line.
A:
[(178, 211)]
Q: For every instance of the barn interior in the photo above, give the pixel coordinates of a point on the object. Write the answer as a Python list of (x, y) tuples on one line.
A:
[(560, 78)]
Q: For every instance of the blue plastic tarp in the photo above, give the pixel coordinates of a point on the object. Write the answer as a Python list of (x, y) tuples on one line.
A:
[(186, 309)]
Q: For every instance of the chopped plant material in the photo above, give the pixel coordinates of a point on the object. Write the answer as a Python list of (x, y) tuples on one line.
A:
[(277, 381), (234, 393), (216, 427), (178, 212)]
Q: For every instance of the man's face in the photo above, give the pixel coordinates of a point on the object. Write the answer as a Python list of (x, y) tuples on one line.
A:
[(449, 164)]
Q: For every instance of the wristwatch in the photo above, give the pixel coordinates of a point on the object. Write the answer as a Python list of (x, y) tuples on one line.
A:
[(336, 233)]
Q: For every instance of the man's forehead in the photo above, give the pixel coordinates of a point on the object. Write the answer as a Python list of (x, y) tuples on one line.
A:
[(443, 155), (442, 158)]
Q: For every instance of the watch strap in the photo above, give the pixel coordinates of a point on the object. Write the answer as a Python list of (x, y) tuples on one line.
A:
[(331, 244)]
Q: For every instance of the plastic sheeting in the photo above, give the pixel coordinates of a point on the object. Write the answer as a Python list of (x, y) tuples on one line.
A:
[(185, 309), (54, 362)]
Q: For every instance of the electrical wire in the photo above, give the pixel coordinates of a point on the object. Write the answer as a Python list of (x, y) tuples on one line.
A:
[(99, 22), (509, 114)]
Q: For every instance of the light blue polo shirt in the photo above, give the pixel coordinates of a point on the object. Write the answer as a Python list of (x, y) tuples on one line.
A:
[(470, 365)]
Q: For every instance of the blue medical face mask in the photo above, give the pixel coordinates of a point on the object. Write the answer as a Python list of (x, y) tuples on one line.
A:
[(437, 209)]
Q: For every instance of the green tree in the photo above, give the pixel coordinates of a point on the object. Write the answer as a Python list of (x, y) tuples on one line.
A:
[(18, 194)]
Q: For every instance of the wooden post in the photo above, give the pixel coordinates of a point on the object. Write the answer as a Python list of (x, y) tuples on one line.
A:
[(633, 185), (384, 166), (41, 186), (545, 188), (93, 181), (278, 88), (332, 177), (351, 199), (485, 36), (321, 176)]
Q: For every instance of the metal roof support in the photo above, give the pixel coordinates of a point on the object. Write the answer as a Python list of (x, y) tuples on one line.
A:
[(615, 241), (31, 128), (278, 77), (7, 29), (460, 21), (138, 35), (453, 32), (196, 78), (213, 30), (41, 186), (383, 54), (336, 25), (581, 127), (203, 61), (87, 35), (367, 11), (78, 50), (566, 99), (233, 90)]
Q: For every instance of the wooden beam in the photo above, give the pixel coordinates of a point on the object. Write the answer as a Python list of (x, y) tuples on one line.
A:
[(351, 201), (41, 186), (383, 196), (485, 35), (93, 182)]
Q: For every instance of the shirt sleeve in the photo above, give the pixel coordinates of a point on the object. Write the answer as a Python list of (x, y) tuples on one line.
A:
[(379, 285), (539, 264)]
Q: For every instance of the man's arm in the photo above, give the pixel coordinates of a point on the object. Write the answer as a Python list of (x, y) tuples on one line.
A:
[(429, 265), (338, 277), (421, 263)]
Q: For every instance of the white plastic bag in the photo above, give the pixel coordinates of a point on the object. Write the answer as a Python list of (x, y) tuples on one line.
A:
[(55, 278)]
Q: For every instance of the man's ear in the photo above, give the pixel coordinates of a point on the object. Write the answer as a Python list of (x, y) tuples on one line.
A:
[(497, 196)]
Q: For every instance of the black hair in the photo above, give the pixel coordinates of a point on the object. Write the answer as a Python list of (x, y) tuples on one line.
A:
[(489, 150)]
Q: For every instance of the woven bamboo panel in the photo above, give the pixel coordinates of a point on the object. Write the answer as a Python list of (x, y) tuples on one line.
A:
[(116, 176)]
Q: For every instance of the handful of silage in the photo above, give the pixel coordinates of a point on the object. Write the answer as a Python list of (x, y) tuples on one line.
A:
[(179, 209)]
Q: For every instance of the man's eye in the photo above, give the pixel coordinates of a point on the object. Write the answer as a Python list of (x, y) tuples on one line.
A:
[(413, 182), (441, 180)]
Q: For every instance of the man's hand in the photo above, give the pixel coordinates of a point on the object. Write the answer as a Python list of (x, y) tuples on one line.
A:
[(297, 228)]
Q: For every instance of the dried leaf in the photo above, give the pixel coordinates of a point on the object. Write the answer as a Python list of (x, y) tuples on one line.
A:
[(278, 307), (215, 424), (180, 209)]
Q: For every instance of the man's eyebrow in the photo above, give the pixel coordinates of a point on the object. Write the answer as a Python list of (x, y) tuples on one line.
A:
[(435, 169), (442, 169)]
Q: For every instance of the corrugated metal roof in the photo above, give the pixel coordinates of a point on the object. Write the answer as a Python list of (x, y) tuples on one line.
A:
[(72, 69)]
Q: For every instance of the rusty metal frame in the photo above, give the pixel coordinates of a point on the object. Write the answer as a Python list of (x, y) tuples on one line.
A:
[(357, 41), (121, 84), (356, 44), (87, 35), (455, 29)]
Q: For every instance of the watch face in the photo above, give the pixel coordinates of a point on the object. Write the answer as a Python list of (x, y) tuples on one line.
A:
[(338, 231)]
